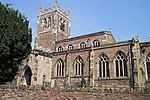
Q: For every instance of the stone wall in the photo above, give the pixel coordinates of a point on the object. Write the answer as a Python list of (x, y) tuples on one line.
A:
[(102, 37), (44, 41), (42, 93), (40, 70), (69, 67), (91, 59)]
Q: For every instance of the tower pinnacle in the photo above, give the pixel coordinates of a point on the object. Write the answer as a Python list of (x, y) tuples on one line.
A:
[(69, 11), (56, 3), (40, 7)]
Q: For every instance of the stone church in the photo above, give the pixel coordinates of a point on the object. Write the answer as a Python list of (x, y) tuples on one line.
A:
[(91, 60)]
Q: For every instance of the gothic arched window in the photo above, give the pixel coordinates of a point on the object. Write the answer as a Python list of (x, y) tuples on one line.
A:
[(49, 22), (148, 65), (103, 66), (60, 68), (70, 47), (62, 24), (45, 23), (121, 65), (79, 66), (82, 45), (96, 43), (60, 48)]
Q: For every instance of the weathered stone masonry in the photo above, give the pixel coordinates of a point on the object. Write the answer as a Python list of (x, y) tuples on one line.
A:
[(92, 60)]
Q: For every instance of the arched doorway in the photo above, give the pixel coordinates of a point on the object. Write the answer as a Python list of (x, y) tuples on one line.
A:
[(27, 75)]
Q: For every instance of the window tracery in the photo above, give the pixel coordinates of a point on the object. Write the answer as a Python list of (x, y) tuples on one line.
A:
[(60, 68), (121, 65), (79, 66), (103, 66)]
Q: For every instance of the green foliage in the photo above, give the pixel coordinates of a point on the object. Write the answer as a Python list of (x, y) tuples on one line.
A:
[(15, 41), (146, 89)]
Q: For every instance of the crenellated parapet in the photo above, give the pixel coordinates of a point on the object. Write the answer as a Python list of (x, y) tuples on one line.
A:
[(51, 10), (53, 24)]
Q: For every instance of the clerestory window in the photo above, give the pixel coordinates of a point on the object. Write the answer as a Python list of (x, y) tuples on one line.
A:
[(60, 48), (96, 43), (70, 47), (82, 45)]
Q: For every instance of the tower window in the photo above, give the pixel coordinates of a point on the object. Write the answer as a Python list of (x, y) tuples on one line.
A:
[(44, 78), (121, 65), (96, 43), (45, 23), (70, 47), (148, 65), (79, 66), (60, 48), (62, 27), (49, 22), (82, 45), (62, 24), (103, 66), (60, 68)]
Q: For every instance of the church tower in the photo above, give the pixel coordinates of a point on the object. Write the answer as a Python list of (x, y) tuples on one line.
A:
[(53, 25)]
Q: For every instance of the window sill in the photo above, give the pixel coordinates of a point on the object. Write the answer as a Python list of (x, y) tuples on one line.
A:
[(119, 78), (78, 76), (122, 78), (104, 78), (58, 77)]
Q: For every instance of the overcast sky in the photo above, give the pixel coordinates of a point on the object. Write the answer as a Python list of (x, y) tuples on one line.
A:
[(125, 18)]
